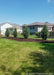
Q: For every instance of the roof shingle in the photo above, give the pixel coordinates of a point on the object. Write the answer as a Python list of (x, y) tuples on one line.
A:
[(39, 23)]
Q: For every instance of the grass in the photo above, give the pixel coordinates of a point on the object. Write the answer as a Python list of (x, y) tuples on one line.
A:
[(21, 36), (18, 58), (50, 39), (34, 37), (31, 36)]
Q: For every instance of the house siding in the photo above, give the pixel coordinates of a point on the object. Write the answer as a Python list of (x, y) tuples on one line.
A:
[(32, 29), (4, 26), (37, 28)]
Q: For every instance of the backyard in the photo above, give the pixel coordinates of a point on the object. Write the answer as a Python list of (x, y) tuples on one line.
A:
[(30, 36), (19, 58), (34, 37)]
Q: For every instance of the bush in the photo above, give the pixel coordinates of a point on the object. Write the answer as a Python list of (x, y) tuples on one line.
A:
[(15, 32), (7, 33), (26, 32), (38, 34), (44, 32)]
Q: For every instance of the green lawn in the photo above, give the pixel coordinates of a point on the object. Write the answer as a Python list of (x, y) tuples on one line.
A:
[(18, 58), (34, 37), (21, 36), (30, 36)]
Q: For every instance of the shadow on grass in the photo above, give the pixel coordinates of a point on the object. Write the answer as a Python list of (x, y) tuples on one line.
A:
[(41, 62), (49, 47), (3, 68)]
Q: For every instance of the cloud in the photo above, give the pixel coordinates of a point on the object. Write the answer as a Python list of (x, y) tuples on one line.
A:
[(51, 16), (49, 1)]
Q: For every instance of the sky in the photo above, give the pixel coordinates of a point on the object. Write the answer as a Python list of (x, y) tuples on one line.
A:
[(26, 11)]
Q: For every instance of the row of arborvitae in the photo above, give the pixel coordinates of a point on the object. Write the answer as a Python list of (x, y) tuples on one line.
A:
[(7, 33), (43, 34), (25, 33)]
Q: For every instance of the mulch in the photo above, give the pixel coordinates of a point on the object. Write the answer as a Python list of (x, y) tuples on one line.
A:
[(30, 40)]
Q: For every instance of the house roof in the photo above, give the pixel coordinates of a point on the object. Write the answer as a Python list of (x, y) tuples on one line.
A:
[(39, 23), (8, 23), (13, 24)]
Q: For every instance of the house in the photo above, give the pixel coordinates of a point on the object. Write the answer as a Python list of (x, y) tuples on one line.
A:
[(10, 26), (37, 27)]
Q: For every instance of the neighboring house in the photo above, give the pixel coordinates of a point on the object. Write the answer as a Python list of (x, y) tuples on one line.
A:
[(37, 27), (10, 26)]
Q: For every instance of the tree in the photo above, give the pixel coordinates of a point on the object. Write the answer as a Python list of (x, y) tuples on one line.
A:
[(15, 32), (24, 24), (26, 32), (44, 32), (7, 33)]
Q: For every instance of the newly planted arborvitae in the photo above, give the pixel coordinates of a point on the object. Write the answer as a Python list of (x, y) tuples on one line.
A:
[(7, 33), (44, 32), (26, 32), (15, 32)]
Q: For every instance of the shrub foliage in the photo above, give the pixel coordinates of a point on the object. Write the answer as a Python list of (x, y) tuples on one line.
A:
[(44, 32), (15, 32), (26, 32), (7, 33)]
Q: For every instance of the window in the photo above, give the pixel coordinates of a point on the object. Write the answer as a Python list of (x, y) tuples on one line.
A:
[(49, 28), (32, 27), (11, 30)]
